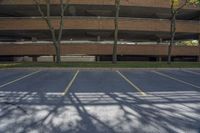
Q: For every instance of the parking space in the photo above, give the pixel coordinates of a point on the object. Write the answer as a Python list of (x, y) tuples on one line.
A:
[(99, 101), (10, 75), (190, 78), (192, 70), (195, 72), (100, 81), (149, 81), (43, 82)]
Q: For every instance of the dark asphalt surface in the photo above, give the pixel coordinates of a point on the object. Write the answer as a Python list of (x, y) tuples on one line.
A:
[(100, 81), (44, 81), (99, 101), (185, 76), (9, 75), (197, 71), (152, 82)]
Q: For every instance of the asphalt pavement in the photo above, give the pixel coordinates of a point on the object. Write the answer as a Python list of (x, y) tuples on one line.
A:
[(100, 101)]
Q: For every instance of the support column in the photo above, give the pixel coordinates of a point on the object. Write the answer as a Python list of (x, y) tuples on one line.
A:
[(98, 38), (22, 40), (159, 41), (54, 58), (34, 39), (35, 58), (97, 58), (99, 31), (159, 59)]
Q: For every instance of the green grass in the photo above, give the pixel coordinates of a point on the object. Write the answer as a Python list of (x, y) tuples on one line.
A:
[(105, 65)]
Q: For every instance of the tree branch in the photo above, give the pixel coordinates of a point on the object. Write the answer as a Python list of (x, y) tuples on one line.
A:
[(172, 9), (63, 8), (48, 21), (184, 4), (39, 8), (66, 5), (48, 8), (47, 18)]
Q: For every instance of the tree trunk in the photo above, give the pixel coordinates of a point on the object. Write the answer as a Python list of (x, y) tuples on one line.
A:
[(46, 17), (58, 53), (114, 56), (199, 48), (172, 32)]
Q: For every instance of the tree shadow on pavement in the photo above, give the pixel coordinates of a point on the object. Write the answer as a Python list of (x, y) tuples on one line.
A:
[(98, 112)]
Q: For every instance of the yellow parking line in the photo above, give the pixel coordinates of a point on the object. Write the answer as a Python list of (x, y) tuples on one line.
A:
[(28, 75), (131, 83), (188, 71), (70, 83), (181, 81)]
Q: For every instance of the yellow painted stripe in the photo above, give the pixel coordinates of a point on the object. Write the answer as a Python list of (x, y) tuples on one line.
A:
[(28, 75), (70, 83), (181, 81), (132, 84)]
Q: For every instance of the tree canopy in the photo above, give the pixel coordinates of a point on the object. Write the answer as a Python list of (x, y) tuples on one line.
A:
[(177, 3)]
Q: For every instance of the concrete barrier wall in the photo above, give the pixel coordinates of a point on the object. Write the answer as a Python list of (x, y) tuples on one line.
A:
[(92, 23), (143, 3), (24, 58), (45, 59), (67, 58), (95, 49)]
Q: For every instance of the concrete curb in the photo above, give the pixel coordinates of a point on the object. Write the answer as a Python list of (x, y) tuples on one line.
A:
[(102, 69)]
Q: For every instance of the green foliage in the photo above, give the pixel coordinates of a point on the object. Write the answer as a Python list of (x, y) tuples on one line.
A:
[(195, 1), (177, 3), (188, 43)]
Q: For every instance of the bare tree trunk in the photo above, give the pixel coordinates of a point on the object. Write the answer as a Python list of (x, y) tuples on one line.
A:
[(174, 12), (199, 48), (114, 57), (55, 38), (58, 54), (172, 32)]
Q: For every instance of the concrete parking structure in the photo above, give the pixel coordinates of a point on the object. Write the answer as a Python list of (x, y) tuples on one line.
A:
[(140, 22)]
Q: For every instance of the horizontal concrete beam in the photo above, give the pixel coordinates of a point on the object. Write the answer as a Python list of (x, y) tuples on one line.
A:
[(141, 3), (91, 23), (96, 49)]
